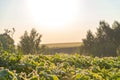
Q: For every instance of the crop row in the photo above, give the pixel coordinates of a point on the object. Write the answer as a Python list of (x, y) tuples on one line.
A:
[(58, 67)]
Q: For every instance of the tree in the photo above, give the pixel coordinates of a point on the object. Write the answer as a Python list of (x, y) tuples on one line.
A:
[(88, 42), (6, 41), (105, 42), (30, 43), (116, 35)]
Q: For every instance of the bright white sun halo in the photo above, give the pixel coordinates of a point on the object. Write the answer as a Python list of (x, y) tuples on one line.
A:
[(53, 14)]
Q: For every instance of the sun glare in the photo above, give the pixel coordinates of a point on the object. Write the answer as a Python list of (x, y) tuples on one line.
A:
[(54, 14)]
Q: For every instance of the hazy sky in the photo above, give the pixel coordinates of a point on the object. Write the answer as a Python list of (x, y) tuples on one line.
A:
[(57, 20)]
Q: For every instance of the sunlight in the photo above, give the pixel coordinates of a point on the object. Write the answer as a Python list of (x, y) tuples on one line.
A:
[(53, 14)]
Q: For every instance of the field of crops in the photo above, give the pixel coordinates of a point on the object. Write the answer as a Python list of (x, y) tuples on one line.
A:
[(58, 67), (70, 47), (64, 45)]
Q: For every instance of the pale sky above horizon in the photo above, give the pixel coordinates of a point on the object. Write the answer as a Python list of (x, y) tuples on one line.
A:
[(57, 20)]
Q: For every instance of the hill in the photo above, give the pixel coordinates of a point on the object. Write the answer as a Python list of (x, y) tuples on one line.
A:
[(63, 45)]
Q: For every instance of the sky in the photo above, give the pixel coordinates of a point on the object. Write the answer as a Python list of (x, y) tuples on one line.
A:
[(58, 21)]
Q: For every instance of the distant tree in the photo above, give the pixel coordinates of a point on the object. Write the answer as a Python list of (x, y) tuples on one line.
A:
[(105, 42), (88, 42), (10, 32), (6, 41), (116, 34), (30, 43)]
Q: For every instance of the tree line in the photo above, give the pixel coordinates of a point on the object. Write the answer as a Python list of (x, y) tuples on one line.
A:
[(28, 44), (104, 42)]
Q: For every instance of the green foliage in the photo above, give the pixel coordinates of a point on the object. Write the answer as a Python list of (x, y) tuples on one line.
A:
[(6, 43), (58, 67), (7, 75), (105, 42), (30, 43), (1, 47)]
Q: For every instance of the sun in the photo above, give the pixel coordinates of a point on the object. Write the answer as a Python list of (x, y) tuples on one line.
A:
[(53, 14)]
